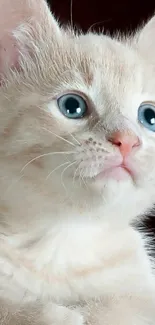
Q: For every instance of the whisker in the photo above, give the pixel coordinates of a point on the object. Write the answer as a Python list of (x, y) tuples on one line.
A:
[(71, 135), (76, 170), (71, 13), (59, 137), (47, 154), (91, 121), (67, 162), (79, 176), (82, 178), (62, 174), (98, 23), (74, 138), (98, 125)]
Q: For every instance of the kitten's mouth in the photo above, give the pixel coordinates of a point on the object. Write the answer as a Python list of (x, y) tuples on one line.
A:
[(114, 167), (119, 173)]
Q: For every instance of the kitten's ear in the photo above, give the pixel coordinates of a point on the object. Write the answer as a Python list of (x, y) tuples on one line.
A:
[(17, 18), (146, 39)]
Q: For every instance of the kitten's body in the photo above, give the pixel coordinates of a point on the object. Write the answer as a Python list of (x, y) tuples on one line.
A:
[(66, 237)]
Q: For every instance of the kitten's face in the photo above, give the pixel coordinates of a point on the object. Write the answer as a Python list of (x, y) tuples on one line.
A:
[(103, 111), (86, 97)]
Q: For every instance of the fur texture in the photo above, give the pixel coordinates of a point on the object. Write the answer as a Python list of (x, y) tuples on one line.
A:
[(68, 251)]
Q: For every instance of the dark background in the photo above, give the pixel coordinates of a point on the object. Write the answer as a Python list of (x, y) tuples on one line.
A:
[(113, 15)]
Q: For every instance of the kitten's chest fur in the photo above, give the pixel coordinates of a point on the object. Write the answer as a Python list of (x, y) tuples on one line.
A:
[(73, 262), (57, 248)]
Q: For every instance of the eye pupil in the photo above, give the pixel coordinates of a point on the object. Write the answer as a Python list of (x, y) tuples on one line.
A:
[(72, 106), (149, 115)]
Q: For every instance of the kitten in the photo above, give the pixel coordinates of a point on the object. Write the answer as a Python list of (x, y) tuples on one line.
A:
[(77, 168)]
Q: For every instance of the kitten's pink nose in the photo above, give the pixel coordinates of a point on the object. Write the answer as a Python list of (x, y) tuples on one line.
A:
[(126, 141)]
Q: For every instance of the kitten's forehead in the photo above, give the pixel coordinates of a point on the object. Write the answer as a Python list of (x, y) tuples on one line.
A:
[(116, 63), (107, 68)]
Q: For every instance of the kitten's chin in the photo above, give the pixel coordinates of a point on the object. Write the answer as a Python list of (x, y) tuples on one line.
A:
[(118, 173), (114, 179)]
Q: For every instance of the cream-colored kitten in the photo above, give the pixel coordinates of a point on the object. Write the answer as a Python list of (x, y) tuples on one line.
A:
[(77, 167)]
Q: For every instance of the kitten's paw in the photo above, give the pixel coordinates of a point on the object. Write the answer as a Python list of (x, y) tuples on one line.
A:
[(59, 315)]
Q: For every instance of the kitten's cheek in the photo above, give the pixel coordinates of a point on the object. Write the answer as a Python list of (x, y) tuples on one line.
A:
[(65, 124)]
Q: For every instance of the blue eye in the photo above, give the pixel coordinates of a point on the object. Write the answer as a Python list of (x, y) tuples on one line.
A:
[(72, 106), (146, 116)]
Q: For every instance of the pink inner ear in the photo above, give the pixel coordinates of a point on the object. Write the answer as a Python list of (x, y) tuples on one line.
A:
[(13, 13), (8, 56), (8, 53)]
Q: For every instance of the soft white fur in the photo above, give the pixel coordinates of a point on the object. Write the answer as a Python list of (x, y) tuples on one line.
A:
[(68, 252)]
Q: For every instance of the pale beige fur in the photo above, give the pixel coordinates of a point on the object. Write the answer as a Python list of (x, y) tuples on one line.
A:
[(68, 251)]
